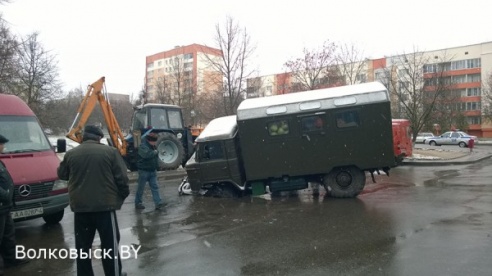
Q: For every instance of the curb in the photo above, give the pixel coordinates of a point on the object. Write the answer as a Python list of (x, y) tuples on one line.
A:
[(446, 162)]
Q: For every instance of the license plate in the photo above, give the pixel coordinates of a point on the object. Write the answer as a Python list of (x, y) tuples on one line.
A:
[(27, 213)]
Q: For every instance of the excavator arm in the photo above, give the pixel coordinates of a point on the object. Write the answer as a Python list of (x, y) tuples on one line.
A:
[(94, 95)]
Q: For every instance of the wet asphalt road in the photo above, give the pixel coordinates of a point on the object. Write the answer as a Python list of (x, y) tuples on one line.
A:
[(418, 221)]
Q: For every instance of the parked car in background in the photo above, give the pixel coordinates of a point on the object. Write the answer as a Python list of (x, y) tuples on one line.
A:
[(422, 136), (459, 138)]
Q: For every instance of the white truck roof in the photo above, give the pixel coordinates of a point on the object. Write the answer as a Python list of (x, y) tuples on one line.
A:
[(328, 98), (219, 129)]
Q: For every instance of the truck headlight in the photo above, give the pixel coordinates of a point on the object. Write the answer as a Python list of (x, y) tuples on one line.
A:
[(59, 184), (179, 135)]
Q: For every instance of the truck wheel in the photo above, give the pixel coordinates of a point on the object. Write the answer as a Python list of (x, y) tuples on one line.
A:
[(54, 218), (345, 182), (171, 151)]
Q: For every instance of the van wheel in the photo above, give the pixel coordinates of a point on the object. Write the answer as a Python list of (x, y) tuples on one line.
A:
[(54, 218), (345, 182)]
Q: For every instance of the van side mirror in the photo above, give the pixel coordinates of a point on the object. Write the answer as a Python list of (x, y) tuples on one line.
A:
[(61, 145)]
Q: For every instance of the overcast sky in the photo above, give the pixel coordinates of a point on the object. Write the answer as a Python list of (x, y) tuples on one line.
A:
[(111, 38)]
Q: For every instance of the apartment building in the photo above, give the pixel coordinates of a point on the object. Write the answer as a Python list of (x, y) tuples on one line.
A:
[(464, 70), (172, 76)]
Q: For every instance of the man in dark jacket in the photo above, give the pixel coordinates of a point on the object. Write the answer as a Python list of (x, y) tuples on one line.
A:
[(7, 229), (147, 164), (97, 186)]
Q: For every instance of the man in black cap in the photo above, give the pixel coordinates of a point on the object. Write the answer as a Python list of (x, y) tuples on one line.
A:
[(148, 164), (97, 186), (7, 229)]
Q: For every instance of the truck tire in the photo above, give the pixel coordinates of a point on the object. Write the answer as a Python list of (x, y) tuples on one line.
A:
[(171, 151), (54, 218), (345, 182)]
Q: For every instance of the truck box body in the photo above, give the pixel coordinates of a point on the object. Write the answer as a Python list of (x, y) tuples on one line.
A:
[(349, 125), (32, 163), (330, 136)]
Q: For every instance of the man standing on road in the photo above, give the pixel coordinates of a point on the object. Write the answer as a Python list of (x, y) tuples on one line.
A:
[(147, 165), (97, 186), (7, 229)]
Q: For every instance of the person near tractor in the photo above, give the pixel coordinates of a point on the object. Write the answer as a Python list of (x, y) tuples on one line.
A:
[(148, 164)]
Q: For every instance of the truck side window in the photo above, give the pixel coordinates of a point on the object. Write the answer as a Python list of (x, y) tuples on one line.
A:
[(311, 123), (212, 151), (280, 127), (348, 119)]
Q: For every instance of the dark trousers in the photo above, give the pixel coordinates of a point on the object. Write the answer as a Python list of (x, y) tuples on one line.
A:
[(7, 240), (106, 225)]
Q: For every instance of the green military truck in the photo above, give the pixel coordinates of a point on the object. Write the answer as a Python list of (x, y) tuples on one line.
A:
[(332, 136)]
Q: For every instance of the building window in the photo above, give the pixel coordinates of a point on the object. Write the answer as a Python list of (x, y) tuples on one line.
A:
[(474, 78), (188, 56), (473, 63), (360, 78), (403, 72), (475, 91), (459, 79), (403, 86), (459, 64), (474, 120), (471, 106), (466, 64), (430, 68)]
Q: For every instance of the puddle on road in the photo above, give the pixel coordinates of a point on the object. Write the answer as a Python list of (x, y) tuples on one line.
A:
[(440, 177)]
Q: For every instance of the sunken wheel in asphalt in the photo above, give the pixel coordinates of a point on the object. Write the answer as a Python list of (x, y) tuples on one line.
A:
[(345, 182)]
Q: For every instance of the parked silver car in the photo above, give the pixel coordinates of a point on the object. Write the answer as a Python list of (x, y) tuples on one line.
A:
[(422, 136), (459, 138)]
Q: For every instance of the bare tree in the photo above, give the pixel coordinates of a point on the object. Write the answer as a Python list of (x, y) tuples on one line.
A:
[(237, 49), (63, 111), (351, 64), (162, 90), (313, 70), (36, 80), (418, 85), (487, 98), (8, 48), (208, 108)]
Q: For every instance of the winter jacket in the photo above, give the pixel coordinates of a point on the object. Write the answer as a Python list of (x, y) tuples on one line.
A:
[(97, 177), (147, 157), (6, 190)]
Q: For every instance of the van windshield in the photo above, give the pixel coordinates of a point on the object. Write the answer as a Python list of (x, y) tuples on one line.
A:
[(24, 134)]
